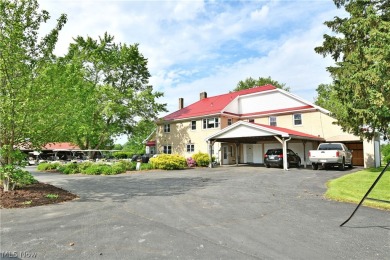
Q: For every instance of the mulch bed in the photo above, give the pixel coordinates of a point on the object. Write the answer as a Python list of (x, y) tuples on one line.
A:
[(34, 195)]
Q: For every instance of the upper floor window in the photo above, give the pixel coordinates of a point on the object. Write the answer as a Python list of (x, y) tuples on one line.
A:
[(193, 125), (167, 128), (230, 121), (251, 120), (297, 119), (190, 148), (272, 121), (167, 149), (210, 123)]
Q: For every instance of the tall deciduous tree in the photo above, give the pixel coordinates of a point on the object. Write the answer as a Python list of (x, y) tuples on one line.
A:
[(114, 93), (251, 82), (361, 49), (24, 57), (141, 131)]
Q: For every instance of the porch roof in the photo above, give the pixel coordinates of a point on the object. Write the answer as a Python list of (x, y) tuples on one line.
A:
[(252, 132)]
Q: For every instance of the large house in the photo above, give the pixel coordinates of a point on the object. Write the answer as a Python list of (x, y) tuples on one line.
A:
[(239, 127)]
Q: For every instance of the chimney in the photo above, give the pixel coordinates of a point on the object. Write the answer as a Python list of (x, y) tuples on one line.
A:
[(203, 95), (181, 103)]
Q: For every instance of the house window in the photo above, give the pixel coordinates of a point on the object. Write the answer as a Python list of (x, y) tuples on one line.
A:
[(190, 148), (167, 128), (167, 149), (251, 120), (193, 125), (297, 119), (272, 120), (210, 123), (230, 121)]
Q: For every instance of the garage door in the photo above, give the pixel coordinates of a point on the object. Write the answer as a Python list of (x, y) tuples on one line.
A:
[(357, 154)]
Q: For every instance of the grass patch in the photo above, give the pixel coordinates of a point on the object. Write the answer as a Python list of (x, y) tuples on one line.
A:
[(352, 187)]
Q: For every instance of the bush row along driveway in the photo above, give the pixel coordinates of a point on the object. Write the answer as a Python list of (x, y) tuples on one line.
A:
[(220, 213)]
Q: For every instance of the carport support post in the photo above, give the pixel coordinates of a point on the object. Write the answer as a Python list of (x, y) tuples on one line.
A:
[(237, 145), (284, 141), (210, 145), (304, 153)]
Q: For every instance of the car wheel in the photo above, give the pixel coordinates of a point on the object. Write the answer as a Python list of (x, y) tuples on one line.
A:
[(267, 165), (299, 164), (315, 166), (342, 165), (350, 165)]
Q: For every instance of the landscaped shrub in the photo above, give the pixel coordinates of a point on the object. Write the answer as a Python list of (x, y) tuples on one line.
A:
[(129, 166), (47, 166), (122, 155), (84, 166), (146, 166), (191, 162), (69, 168), (106, 169), (117, 169), (168, 162), (201, 159), (94, 169), (22, 178)]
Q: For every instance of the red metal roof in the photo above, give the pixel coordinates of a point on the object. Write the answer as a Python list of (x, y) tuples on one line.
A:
[(53, 146), (151, 143), (213, 105), (290, 131)]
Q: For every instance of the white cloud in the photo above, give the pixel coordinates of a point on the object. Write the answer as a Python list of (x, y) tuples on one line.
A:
[(195, 46), (260, 14)]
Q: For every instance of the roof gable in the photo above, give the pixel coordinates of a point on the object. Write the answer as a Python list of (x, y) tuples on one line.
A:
[(213, 105), (244, 129)]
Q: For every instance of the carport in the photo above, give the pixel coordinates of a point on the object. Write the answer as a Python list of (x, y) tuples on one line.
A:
[(243, 132)]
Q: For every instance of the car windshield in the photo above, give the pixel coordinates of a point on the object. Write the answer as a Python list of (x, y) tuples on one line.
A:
[(274, 152)]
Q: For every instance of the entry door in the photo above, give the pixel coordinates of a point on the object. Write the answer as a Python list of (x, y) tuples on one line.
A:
[(249, 153), (225, 151)]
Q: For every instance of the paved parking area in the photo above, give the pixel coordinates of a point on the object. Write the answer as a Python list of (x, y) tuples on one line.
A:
[(220, 213)]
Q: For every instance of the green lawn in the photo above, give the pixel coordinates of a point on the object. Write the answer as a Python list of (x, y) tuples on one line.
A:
[(352, 187)]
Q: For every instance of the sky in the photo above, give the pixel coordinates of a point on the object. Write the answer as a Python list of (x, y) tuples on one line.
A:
[(209, 46)]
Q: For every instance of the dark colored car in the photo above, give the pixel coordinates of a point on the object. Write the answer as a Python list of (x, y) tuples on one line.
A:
[(145, 158), (135, 157), (274, 157)]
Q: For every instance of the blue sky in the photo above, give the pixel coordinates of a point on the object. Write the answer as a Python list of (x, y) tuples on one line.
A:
[(195, 46)]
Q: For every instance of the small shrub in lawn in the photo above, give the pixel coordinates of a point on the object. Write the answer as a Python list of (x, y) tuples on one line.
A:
[(201, 159), (168, 162), (191, 162)]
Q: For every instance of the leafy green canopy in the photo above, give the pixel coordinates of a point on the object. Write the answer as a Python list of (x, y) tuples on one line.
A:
[(23, 59), (113, 92), (250, 83), (361, 49)]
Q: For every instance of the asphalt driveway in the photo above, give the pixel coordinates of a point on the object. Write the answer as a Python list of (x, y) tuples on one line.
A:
[(220, 213)]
